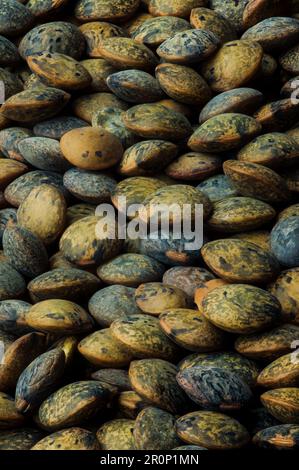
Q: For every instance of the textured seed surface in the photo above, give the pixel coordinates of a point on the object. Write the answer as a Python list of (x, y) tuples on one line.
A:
[(244, 309), (189, 47), (155, 121), (212, 430), (224, 132), (72, 404), (131, 270), (285, 289), (233, 66), (155, 429), (269, 345), (284, 436), (117, 435), (155, 381), (213, 388), (68, 439), (283, 372), (59, 316), (190, 330), (240, 261), (230, 361), (143, 337)]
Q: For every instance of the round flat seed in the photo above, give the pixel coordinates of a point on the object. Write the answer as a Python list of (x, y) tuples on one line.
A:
[(154, 121), (258, 181), (58, 36), (194, 166), (91, 148), (285, 290), (135, 86), (39, 380), (274, 33), (240, 261), (234, 65), (35, 104), (24, 250), (125, 53), (89, 186), (142, 336), (224, 132), (59, 70), (83, 245), (155, 381), (283, 372), (147, 157), (68, 439), (130, 270), (214, 389), (204, 18), (235, 214), (245, 368), (59, 316), (283, 404), (43, 153), (106, 10), (154, 31), (238, 100), (241, 308), (189, 47), (154, 297), (211, 430), (103, 350), (43, 212), (272, 150), (73, 404), (113, 303), (283, 436), (154, 429), (269, 345), (183, 84), (15, 18), (117, 435), (64, 283), (17, 191), (191, 331)]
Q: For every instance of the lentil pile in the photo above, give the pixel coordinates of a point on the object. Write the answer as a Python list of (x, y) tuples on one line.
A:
[(144, 344)]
